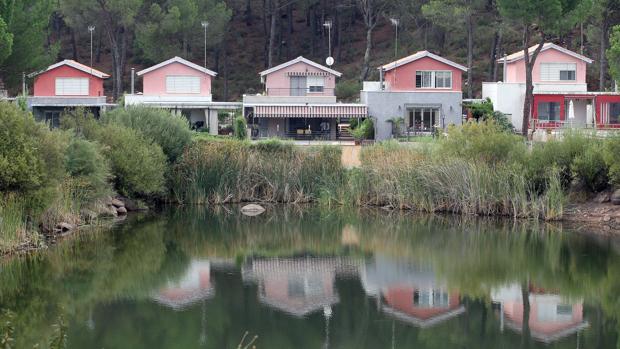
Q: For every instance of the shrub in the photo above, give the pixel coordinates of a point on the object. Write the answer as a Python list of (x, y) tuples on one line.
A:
[(611, 155), (483, 111), (348, 90), (590, 169), (240, 128), (87, 165), (137, 163), (483, 141), (365, 130), (171, 132), (80, 121)]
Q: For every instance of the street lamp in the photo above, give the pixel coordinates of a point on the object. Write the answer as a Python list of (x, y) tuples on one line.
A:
[(395, 22), (205, 24), (91, 29), (328, 25)]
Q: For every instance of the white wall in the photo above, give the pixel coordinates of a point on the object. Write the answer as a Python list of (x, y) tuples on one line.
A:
[(507, 98)]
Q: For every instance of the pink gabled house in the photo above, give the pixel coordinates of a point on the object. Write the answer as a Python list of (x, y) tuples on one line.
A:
[(561, 96), (182, 87), (66, 84), (299, 102), (423, 89), (194, 285)]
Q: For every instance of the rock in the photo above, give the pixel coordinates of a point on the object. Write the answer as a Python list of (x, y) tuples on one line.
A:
[(108, 211), (117, 203), (88, 215), (132, 205), (252, 210), (615, 197), (606, 218), (121, 210), (603, 197), (65, 227)]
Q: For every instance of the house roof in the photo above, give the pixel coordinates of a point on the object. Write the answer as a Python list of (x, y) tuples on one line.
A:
[(177, 59), (298, 60), (546, 46), (420, 55), (73, 64)]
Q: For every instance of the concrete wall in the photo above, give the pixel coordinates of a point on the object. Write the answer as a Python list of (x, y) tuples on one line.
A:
[(384, 105), (154, 82), (507, 98), (45, 83), (403, 78)]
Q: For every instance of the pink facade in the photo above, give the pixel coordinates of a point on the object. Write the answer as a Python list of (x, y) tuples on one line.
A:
[(402, 300), (45, 82), (403, 78), (540, 321), (278, 83), (515, 71), (154, 82)]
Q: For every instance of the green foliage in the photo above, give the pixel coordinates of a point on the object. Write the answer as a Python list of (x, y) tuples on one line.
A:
[(138, 164), (365, 130), (240, 128), (6, 40), (483, 141), (613, 52), (611, 155), (171, 132), (86, 164), (348, 90), (590, 169), (79, 121)]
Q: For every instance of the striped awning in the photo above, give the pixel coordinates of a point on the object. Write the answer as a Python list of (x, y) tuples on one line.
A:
[(308, 73), (311, 111)]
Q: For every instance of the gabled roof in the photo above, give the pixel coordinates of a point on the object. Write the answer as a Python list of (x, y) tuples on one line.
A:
[(546, 46), (298, 60), (177, 60), (73, 64), (420, 55)]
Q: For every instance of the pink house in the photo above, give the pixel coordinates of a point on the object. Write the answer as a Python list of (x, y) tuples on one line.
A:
[(561, 96), (423, 89), (299, 102), (182, 87), (419, 306), (66, 84), (194, 285)]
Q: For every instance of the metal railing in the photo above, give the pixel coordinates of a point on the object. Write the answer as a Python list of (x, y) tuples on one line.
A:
[(565, 124), (322, 91)]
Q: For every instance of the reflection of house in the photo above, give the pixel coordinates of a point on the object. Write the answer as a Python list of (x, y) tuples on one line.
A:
[(299, 102), (195, 285), (551, 318), (423, 89), (297, 286), (561, 95), (66, 84), (409, 292), (183, 87)]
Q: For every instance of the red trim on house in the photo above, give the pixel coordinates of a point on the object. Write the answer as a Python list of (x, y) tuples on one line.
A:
[(548, 98), (600, 122)]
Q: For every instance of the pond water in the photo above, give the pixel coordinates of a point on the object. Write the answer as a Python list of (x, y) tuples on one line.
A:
[(311, 278)]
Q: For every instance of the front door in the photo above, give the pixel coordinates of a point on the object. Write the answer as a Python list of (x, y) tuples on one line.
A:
[(298, 85)]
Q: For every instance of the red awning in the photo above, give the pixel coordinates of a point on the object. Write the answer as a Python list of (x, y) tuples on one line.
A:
[(311, 111)]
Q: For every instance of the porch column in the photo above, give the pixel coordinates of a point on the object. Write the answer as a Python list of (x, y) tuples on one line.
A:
[(213, 121)]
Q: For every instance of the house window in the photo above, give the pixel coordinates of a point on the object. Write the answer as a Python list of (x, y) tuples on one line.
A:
[(52, 118), (614, 113), (423, 119), (549, 111), (431, 298), (316, 84), (182, 84), (72, 86), (558, 71), (433, 79)]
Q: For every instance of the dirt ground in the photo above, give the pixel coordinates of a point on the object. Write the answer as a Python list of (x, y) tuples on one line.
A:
[(601, 218)]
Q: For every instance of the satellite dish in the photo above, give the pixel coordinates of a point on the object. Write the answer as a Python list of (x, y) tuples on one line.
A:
[(330, 61)]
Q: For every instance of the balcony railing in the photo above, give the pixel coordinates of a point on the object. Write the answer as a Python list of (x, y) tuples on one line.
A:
[(311, 91), (567, 124)]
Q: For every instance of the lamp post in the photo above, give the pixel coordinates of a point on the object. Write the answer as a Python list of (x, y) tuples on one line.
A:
[(205, 24), (91, 29), (395, 22), (328, 25)]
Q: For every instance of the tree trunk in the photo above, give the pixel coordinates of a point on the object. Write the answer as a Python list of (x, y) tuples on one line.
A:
[(493, 57), (74, 47), (497, 54), (117, 48), (470, 55), (98, 56), (603, 57), (525, 325), (248, 12), (272, 33), (366, 64), (529, 86)]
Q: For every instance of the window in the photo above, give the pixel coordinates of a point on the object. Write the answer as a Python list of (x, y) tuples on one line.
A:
[(423, 119), (549, 111), (433, 79), (558, 71), (52, 118), (316, 84), (614, 113), (72, 86), (182, 84), (430, 298)]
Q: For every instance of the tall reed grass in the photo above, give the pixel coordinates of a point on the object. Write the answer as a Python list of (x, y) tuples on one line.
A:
[(13, 221)]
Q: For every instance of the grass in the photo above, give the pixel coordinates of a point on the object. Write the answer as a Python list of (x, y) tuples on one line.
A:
[(13, 222)]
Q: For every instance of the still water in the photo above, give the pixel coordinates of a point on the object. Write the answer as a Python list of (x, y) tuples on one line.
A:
[(310, 278)]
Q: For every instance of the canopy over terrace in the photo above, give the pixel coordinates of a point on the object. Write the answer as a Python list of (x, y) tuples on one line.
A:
[(305, 121)]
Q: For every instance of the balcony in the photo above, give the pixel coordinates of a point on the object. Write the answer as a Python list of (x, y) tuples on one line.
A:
[(167, 101), (292, 96), (66, 101)]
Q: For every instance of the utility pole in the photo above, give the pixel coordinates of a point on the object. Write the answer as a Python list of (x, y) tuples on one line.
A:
[(205, 24), (395, 23), (91, 29)]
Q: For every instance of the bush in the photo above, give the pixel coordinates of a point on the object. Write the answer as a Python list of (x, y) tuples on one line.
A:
[(589, 168), (87, 165), (348, 90), (483, 111), (365, 130), (483, 141), (137, 163), (240, 128), (171, 132), (611, 155)]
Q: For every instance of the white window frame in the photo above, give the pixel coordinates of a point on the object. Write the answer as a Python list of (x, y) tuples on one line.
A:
[(81, 86), (433, 79), (551, 71), (175, 84), (317, 82)]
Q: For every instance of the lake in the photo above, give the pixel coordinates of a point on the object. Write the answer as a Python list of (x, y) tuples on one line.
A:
[(304, 277)]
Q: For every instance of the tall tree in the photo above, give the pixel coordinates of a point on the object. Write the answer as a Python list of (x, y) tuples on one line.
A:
[(454, 15), (605, 13), (538, 21), (6, 37), (174, 29), (116, 18), (613, 53), (371, 11)]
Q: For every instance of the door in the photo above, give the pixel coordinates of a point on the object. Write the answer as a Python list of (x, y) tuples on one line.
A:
[(298, 85)]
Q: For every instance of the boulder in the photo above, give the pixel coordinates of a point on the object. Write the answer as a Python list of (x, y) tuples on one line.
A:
[(117, 203), (88, 215), (252, 210), (615, 197), (65, 227), (108, 211), (121, 210), (132, 205), (603, 197)]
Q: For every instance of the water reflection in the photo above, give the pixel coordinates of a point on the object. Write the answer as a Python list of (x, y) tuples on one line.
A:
[(191, 278)]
